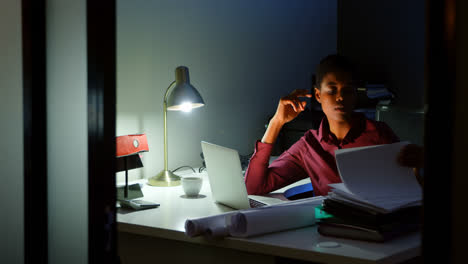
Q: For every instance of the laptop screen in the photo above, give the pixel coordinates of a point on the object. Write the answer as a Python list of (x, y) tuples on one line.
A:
[(225, 175)]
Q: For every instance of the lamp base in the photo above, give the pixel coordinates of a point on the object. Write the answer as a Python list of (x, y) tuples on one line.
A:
[(164, 179)]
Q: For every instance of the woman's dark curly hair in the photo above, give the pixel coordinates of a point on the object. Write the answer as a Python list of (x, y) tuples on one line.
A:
[(333, 63)]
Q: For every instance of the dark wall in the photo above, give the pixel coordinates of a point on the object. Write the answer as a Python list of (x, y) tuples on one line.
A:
[(386, 39)]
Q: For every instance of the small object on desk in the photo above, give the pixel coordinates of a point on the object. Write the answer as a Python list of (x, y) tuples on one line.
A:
[(328, 244), (133, 192), (128, 148), (347, 220), (351, 231), (138, 204), (320, 213), (352, 213), (192, 185), (299, 192), (127, 152), (131, 200)]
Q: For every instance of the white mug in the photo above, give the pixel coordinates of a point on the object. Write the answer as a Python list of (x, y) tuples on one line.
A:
[(192, 185)]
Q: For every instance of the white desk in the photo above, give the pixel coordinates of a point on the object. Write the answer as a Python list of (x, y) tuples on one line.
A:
[(158, 235)]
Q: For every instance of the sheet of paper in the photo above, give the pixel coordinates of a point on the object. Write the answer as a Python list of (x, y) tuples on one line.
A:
[(378, 204), (374, 173), (266, 199)]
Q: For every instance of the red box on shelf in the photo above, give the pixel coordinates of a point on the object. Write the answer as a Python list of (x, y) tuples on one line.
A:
[(131, 144)]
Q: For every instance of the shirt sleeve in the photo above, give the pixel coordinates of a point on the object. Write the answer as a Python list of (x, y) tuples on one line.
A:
[(262, 177)]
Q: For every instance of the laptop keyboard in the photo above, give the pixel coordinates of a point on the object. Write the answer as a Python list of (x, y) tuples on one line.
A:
[(255, 203)]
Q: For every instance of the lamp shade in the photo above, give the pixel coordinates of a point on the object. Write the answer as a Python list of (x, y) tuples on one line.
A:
[(183, 96)]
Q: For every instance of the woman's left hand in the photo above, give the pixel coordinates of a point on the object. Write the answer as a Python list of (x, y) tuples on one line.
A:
[(411, 156)]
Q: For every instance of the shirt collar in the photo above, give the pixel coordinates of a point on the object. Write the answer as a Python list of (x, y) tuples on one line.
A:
[(324, 129), (357, 127)]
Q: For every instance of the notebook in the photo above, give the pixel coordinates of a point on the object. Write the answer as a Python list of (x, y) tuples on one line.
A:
[(226, 179)]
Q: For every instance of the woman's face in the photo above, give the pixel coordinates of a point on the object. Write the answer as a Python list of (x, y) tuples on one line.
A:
[(337, 95)]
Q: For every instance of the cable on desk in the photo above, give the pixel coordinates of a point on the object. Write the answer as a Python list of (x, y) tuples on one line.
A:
[(184, 167), (245, 160)]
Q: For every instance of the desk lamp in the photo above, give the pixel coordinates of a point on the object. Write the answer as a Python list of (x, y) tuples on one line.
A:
[(183, 97)]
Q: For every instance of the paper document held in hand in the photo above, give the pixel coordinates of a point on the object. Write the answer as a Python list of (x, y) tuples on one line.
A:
[(371, 177)]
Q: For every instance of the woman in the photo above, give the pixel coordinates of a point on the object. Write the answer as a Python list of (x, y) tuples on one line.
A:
[(313, 155)]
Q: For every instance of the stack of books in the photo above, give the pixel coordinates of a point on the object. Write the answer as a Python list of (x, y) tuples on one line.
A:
[(377, 199)]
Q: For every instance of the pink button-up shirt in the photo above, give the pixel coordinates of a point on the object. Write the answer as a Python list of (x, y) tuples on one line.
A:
[(312, 156)]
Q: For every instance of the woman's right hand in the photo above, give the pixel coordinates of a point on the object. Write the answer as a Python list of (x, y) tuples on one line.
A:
[(289, 107)]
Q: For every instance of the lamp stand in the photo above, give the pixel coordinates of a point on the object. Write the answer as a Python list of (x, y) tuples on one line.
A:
[(166, 177), (126, 178)]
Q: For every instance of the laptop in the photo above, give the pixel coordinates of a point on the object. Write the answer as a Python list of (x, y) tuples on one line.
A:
[(227, 180)]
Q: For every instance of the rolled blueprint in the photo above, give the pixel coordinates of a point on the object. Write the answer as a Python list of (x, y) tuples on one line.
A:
[(212, 226), (272, 219), (256, 221)]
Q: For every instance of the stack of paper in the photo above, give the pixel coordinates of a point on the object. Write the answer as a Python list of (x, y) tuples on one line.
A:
[(256, 221), (372, 178)]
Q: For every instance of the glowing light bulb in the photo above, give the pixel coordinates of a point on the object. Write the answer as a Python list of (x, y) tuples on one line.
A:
[(186, 107)]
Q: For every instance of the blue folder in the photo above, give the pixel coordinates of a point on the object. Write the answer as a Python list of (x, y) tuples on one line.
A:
[(299, 192)]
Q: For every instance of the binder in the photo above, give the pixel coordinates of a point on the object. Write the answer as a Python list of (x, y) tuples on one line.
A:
[(351, 212), (343, 229)]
